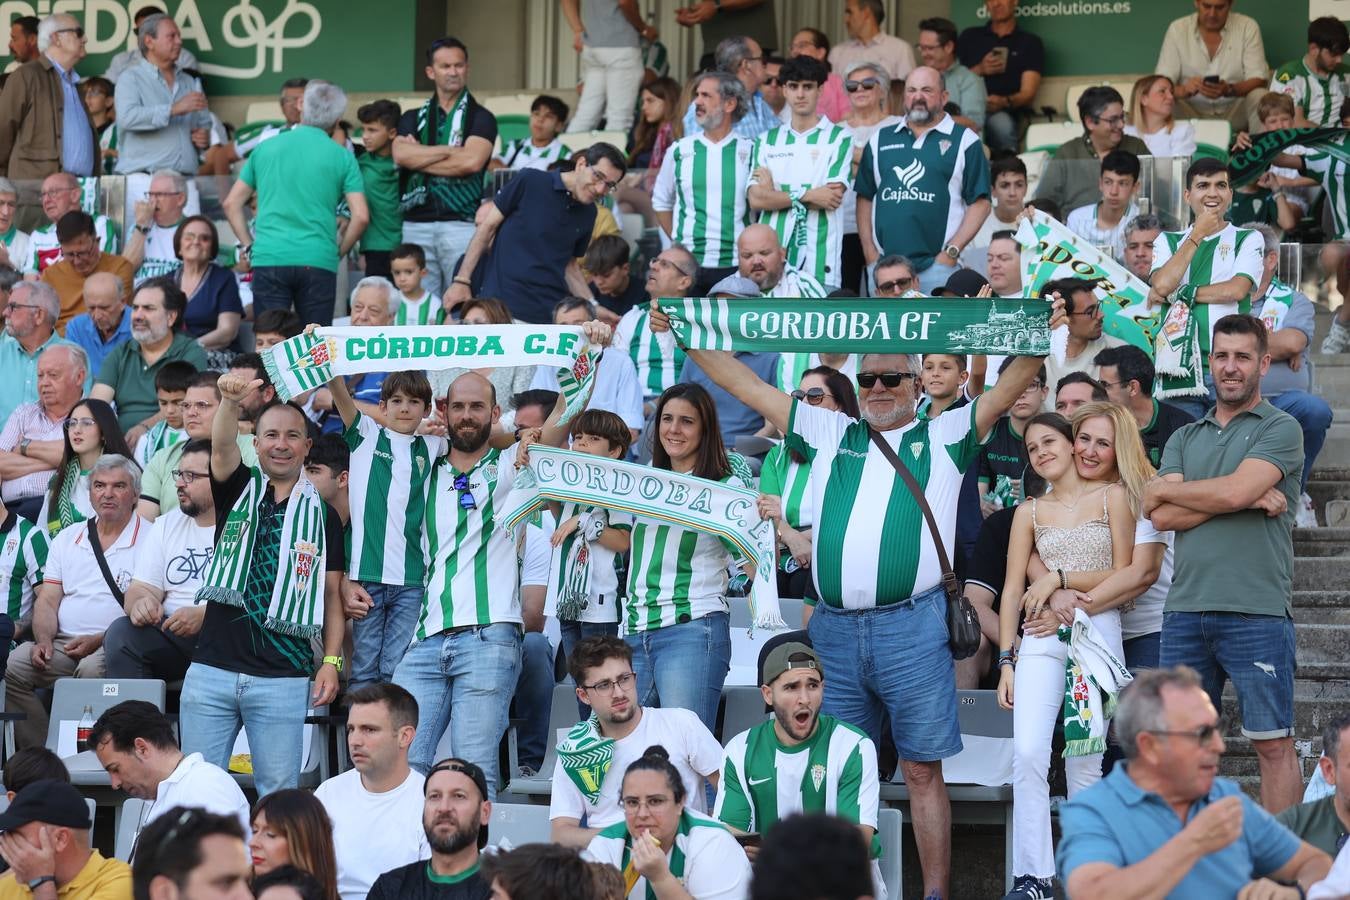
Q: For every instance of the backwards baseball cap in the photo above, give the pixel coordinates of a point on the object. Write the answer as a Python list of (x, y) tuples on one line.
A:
[(734, 286), (962, 283), (789, 655), (469, 771), (50, 802)]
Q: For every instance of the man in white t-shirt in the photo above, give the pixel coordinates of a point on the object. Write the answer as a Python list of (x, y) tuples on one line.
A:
[(159, 632), (596, 753), (376, 807), (135, 743), (149, 245)]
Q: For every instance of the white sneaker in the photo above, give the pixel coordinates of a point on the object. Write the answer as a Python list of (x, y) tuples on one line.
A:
[(1337, 339), (1307, 516)]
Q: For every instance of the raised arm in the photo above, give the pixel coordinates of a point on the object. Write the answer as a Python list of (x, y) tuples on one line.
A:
[(225, 427)]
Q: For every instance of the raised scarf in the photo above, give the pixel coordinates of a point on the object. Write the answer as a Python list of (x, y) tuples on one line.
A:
[(64, 512), (428, 129), (296, 606), (586, 755), (1093, 679), (863, 325), (308, 361), (657, 495), (1247, 165)]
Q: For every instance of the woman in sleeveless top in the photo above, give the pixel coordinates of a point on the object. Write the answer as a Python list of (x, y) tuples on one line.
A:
[(1085, 530)]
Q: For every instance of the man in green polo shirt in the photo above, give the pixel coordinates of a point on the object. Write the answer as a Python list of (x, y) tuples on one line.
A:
[(1324, 822), (127, 377), (1229, 487)]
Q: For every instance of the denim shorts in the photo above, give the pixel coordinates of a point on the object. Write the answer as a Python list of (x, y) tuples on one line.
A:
[(1255, 652), (895, 659)]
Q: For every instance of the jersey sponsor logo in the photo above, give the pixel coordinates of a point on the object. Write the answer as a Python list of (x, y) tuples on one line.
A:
[(909, 176)]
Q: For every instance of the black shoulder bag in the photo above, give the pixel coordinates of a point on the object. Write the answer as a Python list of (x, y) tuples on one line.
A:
[(963, 625), (103, 565)]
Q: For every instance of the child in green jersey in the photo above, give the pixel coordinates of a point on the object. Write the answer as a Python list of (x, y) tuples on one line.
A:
[(408, 264)]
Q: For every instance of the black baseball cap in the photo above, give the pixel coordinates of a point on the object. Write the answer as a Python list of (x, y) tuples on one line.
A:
[(962, 283), (50, 802), (471, 772)]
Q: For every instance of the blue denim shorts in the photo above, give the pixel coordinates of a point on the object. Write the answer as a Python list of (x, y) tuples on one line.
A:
[(1255, 652)]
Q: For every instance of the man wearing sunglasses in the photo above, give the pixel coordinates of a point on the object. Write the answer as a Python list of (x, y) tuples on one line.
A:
[(657, 358), (1165, 824), (879, 622), (44, 127)]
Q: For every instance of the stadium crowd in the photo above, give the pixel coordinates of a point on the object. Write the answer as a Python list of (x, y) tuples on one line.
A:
[(1120, 549)]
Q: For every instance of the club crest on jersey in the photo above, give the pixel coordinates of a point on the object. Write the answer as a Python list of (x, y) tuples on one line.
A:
[(916, 448), (490, 472), (304, 553), (817, 775), (1225, 250), (11, 545), (944, 145)]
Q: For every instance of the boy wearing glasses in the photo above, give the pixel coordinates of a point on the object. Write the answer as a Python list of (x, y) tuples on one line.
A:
[(596, 752), (1086, 338)]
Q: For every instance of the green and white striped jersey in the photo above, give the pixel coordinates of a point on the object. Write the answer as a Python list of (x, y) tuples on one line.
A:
[(1335, 177), (1320, 98), (870, 544), (523, 154), (23, 554), (1233, 251), (706, 858), (800, 161), (674, 574), (784, 477), (602, 585), (795, 283), (794, 365), (387, 491), (473, 577), (160, 257), (763, 781), (425, 310), (156, 439), (703, 184), (657, 357)]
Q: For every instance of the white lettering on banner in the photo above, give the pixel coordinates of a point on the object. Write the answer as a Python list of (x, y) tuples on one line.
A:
[(109, 27), (1074, 8), (811, 326), (648, 487)]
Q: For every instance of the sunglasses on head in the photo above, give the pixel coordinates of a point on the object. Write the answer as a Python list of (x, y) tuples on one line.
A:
[(868, 380), (813, 396), (866, 83)]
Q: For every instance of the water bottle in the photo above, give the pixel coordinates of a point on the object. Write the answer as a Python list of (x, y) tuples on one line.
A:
[(82, 730)]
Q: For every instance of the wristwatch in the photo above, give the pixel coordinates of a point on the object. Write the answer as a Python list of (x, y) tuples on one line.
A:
[(40, 881), (143, 229), (953, 251), (334, 661), (23, 446)]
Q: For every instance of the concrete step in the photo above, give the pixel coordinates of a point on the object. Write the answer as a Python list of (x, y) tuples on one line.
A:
[(1321, 642), (1329, 541), (1311, 714), (1321, 573), (1311, 602)]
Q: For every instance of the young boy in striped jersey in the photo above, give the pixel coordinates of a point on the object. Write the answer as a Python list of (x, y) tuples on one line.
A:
[(408, 263), (23, 554), (543, 147), (171, 384), (387, 495)]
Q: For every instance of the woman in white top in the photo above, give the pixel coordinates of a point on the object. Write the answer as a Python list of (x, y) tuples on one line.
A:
[(1151, 120), (663, 849), (868, 86)]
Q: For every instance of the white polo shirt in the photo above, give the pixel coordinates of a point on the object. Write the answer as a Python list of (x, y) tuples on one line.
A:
[(87, 604), (196, 782)]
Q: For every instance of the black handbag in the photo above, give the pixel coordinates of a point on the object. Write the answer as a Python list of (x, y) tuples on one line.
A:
[(963, 625)]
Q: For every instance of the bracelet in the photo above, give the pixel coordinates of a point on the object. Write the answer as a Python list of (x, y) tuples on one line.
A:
[(1010, 663), (464, 281), (1005, 654), (1063, 580)]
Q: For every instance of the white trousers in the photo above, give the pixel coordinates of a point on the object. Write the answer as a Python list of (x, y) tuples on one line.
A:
[(611, 77), (1038, 705)]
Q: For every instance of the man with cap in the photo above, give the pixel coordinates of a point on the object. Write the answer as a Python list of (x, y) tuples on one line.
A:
[(44, 836), (455, 813), (963, 283), (799, 760)]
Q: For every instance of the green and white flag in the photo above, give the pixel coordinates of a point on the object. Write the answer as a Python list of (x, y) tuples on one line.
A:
[(308, 361), (657, 495), (864, 325)]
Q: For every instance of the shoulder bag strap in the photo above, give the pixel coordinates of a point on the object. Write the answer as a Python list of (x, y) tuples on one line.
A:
[(949, 583), (103, 565)]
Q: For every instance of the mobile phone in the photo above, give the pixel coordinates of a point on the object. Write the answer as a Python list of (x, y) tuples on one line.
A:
[(1212, 79), (1001, 53), (750, 840)]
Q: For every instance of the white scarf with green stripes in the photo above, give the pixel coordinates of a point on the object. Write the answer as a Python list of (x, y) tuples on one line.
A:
[(296, 606)]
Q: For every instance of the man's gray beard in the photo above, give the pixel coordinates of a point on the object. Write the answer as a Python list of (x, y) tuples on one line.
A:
[(881, 423), (712, 120), (148, 335), (919, 115)]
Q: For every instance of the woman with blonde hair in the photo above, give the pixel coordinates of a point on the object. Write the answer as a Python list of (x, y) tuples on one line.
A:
[(1151, 104)]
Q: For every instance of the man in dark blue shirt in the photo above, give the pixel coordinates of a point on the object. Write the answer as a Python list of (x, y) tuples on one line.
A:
[(537, 226), (1011, 61)]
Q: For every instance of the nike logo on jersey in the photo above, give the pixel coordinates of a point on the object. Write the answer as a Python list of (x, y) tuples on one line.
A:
[(754, 783)]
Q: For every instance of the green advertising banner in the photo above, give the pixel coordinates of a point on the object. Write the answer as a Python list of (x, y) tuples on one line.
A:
[(1122, 37), (252, 46)]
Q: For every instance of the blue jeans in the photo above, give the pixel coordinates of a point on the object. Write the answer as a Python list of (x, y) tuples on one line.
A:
[(310, 291), (936, 275), (1256, 652), (894, 659), (1142, 652), (462, 679), (534, 699), (1002, 131), (1198, 406), (444, 243), (1314, 417), (380, 639), (684, 665), (216, 703), (574, 633)]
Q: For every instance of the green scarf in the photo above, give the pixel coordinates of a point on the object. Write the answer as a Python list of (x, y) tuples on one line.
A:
[(64, 512), (1247, 165), (586, 756), (1093, 680), (296, 607), (862, 325), (1177, 356), (428, 132)]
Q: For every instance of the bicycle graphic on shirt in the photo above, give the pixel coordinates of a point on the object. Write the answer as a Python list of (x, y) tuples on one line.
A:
[(189, 566)]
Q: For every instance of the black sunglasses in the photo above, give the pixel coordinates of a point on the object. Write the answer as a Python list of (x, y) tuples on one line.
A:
[(771, 79), (867, 380), (466, 500), (854, 86), (813, 396)]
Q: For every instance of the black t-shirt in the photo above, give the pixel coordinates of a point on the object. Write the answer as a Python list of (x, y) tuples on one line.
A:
[(233, 638), (448, 199), (415, 882), (634, 295), (1025, 54), (1002, 462), (988, 564), (1166, 420)]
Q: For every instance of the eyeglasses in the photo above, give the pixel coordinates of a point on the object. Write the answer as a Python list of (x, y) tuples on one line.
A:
[(200, 406), (187, 477), (461, 484), (653, 804), (1089, 311), (84, 422), (603, 181), (154, 195), (1034, 386), (754, 59), (813, 396), (865, 84), (86, 253), (77, 31), (607, 686), (55, 192), (868, 380), (1113, 384), (661, 262), (1202, 735), (895, 285), (1113, 122), (23, 306)]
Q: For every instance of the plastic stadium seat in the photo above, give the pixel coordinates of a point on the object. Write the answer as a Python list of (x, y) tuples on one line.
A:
[(509, 104), (407, 103), (562, 716), (128, 826), (262, 110), (1076, 90), (512, 126), (1035, 161), (889, 825), (514, 824), (743, 709), (1049, 136), (580, 140), (1213, 137)]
